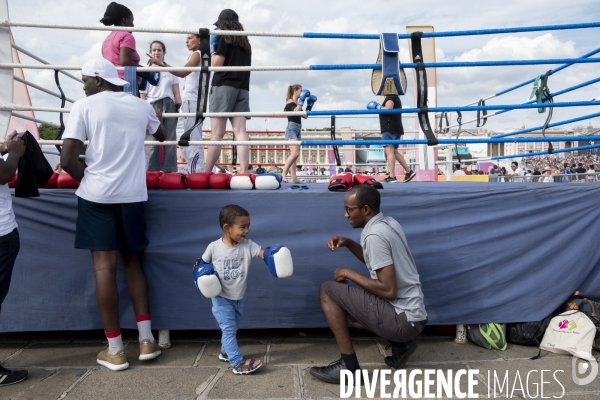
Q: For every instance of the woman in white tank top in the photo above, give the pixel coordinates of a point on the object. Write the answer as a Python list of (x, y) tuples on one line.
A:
[(194, 155)]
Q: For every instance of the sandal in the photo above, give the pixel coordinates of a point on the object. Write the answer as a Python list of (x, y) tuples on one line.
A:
[(247, 367)]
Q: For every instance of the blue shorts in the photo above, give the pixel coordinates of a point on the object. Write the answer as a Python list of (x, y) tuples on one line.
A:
[(390, 136), (293, 131), (107, 227)]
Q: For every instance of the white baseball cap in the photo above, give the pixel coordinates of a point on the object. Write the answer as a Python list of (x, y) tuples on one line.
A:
[(104, 69)]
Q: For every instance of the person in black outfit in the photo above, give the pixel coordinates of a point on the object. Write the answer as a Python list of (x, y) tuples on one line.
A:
[(229, 90), (391, 129)]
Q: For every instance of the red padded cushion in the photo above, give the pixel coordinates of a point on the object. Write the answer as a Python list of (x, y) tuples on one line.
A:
[(152, 178), (13, 181), (52, 182), (219, 181), (172, 181), (66, 181), (198, 180)]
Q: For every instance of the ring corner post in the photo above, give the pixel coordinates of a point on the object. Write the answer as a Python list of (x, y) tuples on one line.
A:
[(6, 75), (425, 156)]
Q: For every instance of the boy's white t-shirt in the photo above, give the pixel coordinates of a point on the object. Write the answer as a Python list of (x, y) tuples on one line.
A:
[(115, 124), (232, 263), (164, 88)]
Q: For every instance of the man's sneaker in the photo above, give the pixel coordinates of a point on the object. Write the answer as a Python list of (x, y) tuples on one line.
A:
[(400, 354), (8, 377), (390, 179), (223, 357), (409, 175), (149, 350), (330, 373), (117, 362)]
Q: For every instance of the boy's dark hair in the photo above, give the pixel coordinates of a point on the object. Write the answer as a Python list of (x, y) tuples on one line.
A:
[(229, 213), (367, 195)]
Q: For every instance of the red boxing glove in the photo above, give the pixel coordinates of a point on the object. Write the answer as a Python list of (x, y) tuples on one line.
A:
[(341, 182), (52, 182), (359, 179), (152, 178)]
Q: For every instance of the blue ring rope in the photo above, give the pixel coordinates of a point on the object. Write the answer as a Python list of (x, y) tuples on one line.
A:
[(447, 141), (455, 64), (452, 109), (555, 70), (545, 153), (475, 32), (567, 90)]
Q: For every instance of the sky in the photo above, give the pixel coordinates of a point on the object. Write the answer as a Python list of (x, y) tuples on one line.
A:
[(341, 89)]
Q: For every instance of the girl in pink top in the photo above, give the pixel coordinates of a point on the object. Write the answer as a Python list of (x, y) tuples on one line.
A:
[(119, 46)]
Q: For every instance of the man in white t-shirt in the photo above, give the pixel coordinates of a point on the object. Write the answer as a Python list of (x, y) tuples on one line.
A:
[(516, 173), (9, 235), (110, 216), (458, 170)]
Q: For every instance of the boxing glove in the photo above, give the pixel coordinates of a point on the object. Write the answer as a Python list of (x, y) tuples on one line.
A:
[(214, 41), (219, 181), (52, 182), (311, 102), (242, 182), (303, 95), (206, 279), (279, 260), (373, 105), (66, 181), (267, 181), (360, 179), (172, 181), (341, 182), (152, 178)]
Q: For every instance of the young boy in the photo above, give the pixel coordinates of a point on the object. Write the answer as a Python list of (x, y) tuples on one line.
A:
[(222, 272)]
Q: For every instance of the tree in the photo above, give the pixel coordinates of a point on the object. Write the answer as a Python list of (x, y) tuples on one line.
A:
[(48, 132)]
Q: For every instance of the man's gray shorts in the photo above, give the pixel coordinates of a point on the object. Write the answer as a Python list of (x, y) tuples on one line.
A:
[(229, 99), (373, 312)]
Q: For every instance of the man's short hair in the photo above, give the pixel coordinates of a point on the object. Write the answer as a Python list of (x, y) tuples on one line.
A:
[(457, 166), (229, 213), (514, 162), (367, 195)]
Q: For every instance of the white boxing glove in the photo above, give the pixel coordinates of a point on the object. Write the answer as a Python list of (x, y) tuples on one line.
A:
[(207, 279), (279, 260)]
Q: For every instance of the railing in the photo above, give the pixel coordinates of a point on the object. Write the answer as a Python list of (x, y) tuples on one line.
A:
[(559, 178)]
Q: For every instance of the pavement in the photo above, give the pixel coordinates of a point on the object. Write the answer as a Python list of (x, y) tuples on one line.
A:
[(62, 365)]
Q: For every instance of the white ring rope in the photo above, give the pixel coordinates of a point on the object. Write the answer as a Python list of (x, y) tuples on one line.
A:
[(164, 69), (8, 23), (19, 107)]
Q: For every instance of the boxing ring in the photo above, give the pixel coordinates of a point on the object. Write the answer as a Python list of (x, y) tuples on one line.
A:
[(512, 263), (478, 261)]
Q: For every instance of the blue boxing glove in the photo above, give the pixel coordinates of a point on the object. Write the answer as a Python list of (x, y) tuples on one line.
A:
[(206, 279), (373, 105), (311, 102), (214, 41), (303, 95), (279, 260)]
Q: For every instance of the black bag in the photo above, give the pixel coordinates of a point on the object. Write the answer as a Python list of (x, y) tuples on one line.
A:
[(528, 333)]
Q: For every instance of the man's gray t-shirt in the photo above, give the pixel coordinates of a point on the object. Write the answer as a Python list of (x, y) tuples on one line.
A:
[(384, 243), (232, 264)]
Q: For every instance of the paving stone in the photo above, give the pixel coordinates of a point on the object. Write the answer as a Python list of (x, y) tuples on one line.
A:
[(442, 350), (8, 349), (58, 355), (143, 384), (54, 385), (316, 352), (250, 349), (36, 375), (514, 351), (367, 351), (268, 382), (180, 354), (552, 387)]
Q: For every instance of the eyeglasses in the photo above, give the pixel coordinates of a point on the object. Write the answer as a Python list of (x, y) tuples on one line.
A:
[(349, 209)]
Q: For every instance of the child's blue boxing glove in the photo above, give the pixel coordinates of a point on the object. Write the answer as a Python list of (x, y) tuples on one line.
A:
[(279, 260), (206, 279)]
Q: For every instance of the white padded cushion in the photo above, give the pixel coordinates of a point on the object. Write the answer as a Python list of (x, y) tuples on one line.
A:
[(268, 182), (241, 182)]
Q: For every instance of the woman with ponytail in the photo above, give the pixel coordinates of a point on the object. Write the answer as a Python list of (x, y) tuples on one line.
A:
[(292, 131), (119, 46)]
